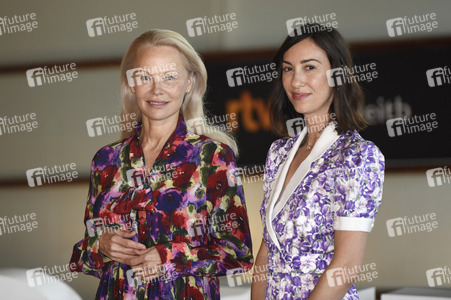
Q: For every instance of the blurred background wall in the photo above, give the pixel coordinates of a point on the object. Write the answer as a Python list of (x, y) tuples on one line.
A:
[(62, 110)]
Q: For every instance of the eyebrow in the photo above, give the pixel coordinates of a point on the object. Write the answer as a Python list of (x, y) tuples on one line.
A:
[(161, 73), (303, 61)]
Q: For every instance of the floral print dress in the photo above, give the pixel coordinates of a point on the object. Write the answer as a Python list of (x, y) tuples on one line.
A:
[(337, 187), (190, 207)]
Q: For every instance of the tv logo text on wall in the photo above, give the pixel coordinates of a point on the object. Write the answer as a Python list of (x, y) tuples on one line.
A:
[(207, 25), (49, 75), (385, 109), (408, 25), (21, 23), (108, 25), (438, 76)]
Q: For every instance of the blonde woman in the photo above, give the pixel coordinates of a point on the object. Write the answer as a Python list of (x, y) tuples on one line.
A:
[(173, 215)]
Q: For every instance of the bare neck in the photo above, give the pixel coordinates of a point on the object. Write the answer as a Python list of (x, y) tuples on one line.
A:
[(155, 133)]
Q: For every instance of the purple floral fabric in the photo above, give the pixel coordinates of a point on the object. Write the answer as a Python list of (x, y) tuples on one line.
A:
[(344, 183)]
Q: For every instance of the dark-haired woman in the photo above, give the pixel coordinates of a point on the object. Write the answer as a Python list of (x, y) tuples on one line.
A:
[(323, 185)]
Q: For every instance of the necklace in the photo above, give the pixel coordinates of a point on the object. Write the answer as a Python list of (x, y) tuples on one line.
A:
[(310, 145)]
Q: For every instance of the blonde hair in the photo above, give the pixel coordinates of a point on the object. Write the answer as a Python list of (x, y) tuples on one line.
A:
[(193, 104)]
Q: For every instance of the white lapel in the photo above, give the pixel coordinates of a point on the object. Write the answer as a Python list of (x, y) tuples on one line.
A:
[(327, 138), (278, 184)]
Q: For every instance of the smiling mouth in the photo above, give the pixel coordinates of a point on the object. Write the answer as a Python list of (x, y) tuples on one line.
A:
[(300, 96), (155, 102)]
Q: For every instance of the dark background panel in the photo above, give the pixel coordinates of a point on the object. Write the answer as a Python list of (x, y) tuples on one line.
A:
[(400, 89)]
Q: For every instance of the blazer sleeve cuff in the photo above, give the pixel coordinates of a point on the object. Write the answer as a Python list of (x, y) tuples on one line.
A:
[(353, 224)]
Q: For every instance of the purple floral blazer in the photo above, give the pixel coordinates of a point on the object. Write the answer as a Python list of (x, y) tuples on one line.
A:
[(190, 207), (337, 187)]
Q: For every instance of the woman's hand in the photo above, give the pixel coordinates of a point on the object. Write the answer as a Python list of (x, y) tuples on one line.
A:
[(116, 245), (147, 265)]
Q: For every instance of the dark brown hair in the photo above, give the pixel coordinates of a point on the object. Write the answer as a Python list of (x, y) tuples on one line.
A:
[(348, 98)]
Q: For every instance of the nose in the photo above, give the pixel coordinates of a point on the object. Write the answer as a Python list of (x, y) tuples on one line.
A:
[(156, 87), (298, 79)]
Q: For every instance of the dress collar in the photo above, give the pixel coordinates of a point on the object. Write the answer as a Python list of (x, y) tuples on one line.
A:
[(136, 152), (328, 137)]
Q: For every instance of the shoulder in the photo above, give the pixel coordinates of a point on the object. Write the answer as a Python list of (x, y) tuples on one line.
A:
[(209, 147), (354, 148), (110, 154), (279, 144)]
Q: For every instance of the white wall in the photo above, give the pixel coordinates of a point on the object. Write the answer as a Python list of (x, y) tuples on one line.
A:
[(62, 35)]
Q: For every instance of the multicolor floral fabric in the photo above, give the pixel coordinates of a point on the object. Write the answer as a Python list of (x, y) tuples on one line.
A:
[(190, 207), (341, 190)]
